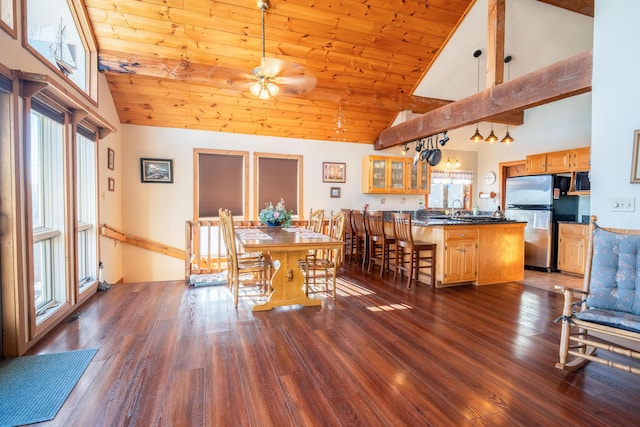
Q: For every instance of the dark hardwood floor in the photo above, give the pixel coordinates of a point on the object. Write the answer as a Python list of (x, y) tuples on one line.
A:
[(174, 355)]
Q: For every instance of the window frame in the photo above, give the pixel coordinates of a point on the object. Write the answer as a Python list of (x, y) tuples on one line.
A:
[(10, 27), (256, 187), (196, 181), (82, 23)]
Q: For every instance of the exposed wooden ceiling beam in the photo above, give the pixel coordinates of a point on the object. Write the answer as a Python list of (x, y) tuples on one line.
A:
[(585, 7), (495, 43), (566, 78)]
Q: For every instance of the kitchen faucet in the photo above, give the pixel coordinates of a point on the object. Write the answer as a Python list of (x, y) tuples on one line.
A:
[(453, 206)]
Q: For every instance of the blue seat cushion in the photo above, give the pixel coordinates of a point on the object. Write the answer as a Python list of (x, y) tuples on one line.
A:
[(616, 319), (615, 282)]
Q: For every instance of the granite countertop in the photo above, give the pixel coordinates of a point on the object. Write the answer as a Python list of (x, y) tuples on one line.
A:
[(463, 220)]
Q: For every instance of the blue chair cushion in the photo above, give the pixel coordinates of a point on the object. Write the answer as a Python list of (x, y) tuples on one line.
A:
[(615, 282), (616, 319)]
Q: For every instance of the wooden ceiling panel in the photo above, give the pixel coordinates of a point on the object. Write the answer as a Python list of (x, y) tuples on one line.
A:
[(185, 63)]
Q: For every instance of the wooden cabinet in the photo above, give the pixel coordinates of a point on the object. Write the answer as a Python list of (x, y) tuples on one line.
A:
[(460, 254), (481, 254), (554, 162), (580, 159), (419, 177), (558, 162), (572, 247), (536, 164), (394, 175)]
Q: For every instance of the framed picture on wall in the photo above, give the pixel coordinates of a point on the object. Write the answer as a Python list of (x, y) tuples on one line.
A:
[(111, 158), (635, 162), (334, 172), (111, 184), (335, 192), (156, 170)]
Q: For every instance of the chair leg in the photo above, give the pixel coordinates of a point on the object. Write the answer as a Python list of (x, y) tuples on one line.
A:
[(412, 259)]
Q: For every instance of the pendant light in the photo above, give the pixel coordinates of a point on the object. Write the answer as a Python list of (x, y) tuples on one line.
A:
[(492, 136), (477, 137), (507, 60)]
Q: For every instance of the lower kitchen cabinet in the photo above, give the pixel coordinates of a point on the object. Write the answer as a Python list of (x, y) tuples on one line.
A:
[(572, 247), (480, 254), (460, 255)]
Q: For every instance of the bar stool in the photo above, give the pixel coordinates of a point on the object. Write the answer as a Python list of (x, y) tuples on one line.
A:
[(415, 250), (360, 236), (379, 243), (348, 235)]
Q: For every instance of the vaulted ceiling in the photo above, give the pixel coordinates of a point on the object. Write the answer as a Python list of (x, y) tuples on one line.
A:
[(185, 63)]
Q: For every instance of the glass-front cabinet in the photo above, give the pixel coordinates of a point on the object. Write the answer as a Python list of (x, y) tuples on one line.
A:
[(419, 180), (377, 179), (397, 175), (394, 175)]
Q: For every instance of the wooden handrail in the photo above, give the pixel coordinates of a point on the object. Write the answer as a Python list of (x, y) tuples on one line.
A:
[(141, 242)]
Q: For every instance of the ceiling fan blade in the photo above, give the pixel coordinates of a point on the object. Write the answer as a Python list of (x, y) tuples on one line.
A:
[(273, 66), (297, 84)]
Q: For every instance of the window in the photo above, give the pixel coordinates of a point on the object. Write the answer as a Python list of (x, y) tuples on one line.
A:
[(8, 16), (450, 189), (221, 182), (278, 177), (46, 150), (58, 34), (86, 209)]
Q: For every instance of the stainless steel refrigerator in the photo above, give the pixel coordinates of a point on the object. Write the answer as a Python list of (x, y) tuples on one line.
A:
[(541, 201)]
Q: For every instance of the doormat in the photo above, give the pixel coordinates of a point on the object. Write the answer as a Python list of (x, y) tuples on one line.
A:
[(34, 388), (208, 279)]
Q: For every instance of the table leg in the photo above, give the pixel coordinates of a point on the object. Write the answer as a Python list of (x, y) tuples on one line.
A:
[(287, 282)]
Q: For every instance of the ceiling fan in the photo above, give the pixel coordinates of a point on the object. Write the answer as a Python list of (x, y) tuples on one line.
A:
[(273, 73)]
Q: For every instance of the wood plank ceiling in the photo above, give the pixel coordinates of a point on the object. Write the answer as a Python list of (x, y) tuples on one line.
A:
[(184, 63)]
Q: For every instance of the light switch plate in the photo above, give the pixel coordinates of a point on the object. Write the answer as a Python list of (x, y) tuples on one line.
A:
[(623, 205)]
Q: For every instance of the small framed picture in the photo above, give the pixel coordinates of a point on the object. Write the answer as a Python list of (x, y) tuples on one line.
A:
[(111, 184), (334, 172), (156, 170), (635, 160), (335, 192), (111, 158)]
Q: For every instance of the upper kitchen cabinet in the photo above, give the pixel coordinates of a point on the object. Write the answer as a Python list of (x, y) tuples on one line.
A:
[(577, 159), (419, 179), (394, 175), (536, 163), (580, 159)]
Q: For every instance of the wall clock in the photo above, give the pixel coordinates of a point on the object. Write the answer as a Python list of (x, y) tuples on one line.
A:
[(490, 177)]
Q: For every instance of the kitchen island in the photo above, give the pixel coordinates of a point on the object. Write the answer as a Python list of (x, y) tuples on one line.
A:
[(477, 250)]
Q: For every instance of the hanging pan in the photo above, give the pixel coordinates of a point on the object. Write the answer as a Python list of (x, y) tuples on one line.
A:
[(435, 156)]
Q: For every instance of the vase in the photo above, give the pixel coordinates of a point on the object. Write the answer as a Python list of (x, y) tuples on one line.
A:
[(273, 224)]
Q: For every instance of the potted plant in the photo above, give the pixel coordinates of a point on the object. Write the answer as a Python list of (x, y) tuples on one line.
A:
[(275, 216)]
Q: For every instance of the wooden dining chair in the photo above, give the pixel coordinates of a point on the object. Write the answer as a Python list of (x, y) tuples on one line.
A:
[(252, 271), (320, 271), (360, 236), (411, 255), (316, 220), (380, 245)]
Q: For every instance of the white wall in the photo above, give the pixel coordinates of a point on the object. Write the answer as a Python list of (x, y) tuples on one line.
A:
[(158, 211), (616, 109), (557, 126)]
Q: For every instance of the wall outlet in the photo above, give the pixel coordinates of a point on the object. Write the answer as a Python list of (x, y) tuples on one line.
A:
[(623, 205)]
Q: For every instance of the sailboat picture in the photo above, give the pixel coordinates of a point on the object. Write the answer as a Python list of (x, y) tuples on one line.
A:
[(61, 52)]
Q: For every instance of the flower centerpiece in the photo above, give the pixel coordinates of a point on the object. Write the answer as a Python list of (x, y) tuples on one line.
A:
[(275, 216)]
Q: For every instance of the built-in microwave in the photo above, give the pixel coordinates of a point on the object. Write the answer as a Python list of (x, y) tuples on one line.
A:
[(583, 181)]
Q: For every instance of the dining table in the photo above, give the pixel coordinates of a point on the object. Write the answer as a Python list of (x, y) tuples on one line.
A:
[(286, 245)]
